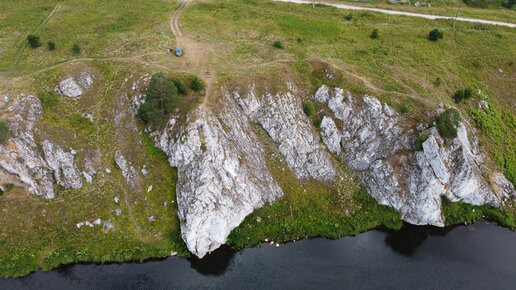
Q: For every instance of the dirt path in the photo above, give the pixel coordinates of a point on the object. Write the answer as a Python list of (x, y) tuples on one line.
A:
[(196, 55), (394, 12), (24, 46)]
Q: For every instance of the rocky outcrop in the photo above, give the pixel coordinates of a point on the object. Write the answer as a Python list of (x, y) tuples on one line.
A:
[(282, 116), (61, 162), (74, 87), (20, 155), (128, 172), (222, 174), (372, 140)]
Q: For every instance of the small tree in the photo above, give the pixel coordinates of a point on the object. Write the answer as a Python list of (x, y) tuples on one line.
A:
[(278, 44), (435, 35), (448, 122), (309, 108), (461, 95), (349, 17), (76, 49), (196, 84), (374, 35), (181, 87), (33, 40), (161, 100), (51, 45), (4, 132)]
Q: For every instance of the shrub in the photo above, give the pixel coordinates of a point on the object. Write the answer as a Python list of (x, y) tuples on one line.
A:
[(299, 39), (51, 45), (374, 35), (196, 84), (349, 17), (318, 122), (181, 87), (438, 82), (421, 139), (435, 35), (461, 95), (4, 132), (161, 100), (48, 100), (448, 122), (404, 108), (309, 108), (278, 44), (33, 40), (76, 49), (510, 4)]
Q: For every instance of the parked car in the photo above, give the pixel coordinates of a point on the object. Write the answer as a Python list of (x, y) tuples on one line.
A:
[(179, 51)]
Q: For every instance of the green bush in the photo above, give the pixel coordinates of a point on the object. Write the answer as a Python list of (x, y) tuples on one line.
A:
[(51, 45), (448, 122), (309, 108), (438, 82), (48, 100), (461, 95), (374, 35), (161, 100), (4, 132), (510, 4), (404, 108), (181, 87), (349, 17), (486, 3), (76, 49), (435, 35), (318, 121), (278, 44), (421, 139), (196, 84), (33, 40)]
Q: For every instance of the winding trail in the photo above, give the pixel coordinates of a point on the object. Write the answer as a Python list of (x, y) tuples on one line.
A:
[(403, 13)]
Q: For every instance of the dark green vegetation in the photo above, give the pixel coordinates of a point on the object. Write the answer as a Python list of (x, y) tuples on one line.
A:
[(181, 87), (458, 212), (160, 101), (489, 3), (48, 100), (461, 95), (309, 108), (33, 40), (76, 49), (421, 139), (278, 44), (4, 132), (435, 35), (374, 34), (196, 84), (51, 45), (447, 123)]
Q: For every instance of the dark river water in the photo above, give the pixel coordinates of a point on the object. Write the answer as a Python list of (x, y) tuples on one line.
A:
[(479, 256)]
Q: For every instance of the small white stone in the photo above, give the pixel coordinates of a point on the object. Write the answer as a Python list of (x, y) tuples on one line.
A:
[(117, 199), (151, 218), (108, 170), (150, 188), (277, 245), (97, 222), (118, 212), (173, 253)]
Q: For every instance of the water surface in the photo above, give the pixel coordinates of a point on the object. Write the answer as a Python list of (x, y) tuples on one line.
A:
[(479, 256)]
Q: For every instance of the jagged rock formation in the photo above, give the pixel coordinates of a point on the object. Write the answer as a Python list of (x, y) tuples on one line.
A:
[(61, 162), (20, 155), (128, 172), (222, 175), (372, 140), (282, 116)]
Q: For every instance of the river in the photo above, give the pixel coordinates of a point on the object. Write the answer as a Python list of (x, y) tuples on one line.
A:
[(478, 256)]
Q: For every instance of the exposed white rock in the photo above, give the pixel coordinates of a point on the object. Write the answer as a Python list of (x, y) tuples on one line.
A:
[(117, 200), (150, 188), (74, 87), (89, 171), (62, 163), (20, 155), (222, 174), (282, 116), (330, 135), (128, 171), (373, 138), (503, 186)]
